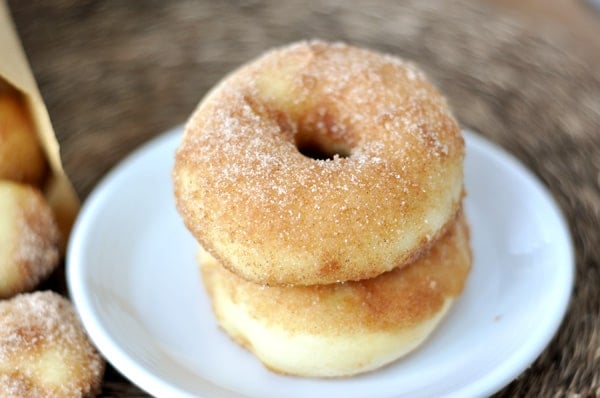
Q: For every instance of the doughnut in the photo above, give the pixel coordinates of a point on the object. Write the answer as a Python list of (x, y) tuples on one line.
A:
[(29, 238), (21, 157), (344, 328), (44, 351), (319, 163)]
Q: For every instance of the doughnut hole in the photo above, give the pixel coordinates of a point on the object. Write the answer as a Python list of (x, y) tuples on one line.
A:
[(29, 238), (320, 144), (320, 148), (44, 351), (317, 132)]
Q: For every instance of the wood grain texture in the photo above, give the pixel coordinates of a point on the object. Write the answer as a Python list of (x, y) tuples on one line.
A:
[(115, 74)]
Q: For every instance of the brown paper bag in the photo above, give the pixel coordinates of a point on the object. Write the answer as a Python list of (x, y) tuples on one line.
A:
[(15, 71)]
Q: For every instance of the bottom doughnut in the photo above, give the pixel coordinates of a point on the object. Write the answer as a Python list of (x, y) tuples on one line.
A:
[(346, 328)]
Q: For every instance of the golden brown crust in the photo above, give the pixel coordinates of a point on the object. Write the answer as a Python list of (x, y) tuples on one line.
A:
[(396, 303), (29, 238), (396, 299), (44, 351), (21, 156), (273, 215)]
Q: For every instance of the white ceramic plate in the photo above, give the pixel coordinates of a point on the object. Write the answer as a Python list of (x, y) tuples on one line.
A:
[(133, 278)]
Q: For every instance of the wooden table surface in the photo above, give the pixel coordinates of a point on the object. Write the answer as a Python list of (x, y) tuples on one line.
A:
[(116, 74)]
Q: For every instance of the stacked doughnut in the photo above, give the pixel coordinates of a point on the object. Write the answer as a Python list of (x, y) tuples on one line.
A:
[(324, 185)]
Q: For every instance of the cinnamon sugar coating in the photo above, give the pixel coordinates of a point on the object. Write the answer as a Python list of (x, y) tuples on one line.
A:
[(44, 351), (29, 238), (342, 328), (319, 163)]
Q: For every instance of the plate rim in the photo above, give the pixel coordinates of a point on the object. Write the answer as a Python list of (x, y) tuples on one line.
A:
[(103, 341), (148, 381)]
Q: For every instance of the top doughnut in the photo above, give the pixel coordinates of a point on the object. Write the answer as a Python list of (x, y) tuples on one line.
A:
[(319, 163)]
